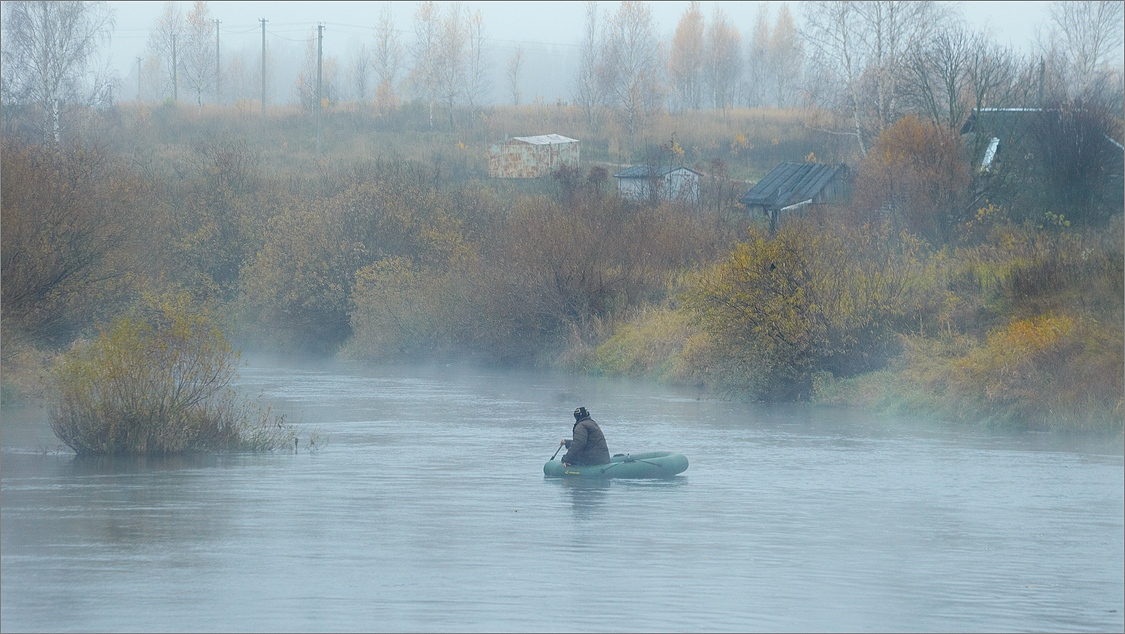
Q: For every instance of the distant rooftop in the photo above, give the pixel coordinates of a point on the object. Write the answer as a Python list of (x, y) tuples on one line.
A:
[(545, 139)]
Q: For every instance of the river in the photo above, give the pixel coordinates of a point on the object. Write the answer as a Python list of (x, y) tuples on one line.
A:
[(423, 507)]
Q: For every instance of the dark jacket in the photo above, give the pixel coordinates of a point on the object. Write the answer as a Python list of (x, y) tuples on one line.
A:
[(588, 445)]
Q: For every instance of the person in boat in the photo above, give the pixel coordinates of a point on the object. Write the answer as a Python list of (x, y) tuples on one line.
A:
[(587, 446)]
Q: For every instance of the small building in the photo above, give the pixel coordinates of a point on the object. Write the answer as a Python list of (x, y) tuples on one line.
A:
[(647, 182), (792, 186), (532, 156)]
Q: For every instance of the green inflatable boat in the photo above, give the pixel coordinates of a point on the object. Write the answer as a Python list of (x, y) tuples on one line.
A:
[(655, 464)]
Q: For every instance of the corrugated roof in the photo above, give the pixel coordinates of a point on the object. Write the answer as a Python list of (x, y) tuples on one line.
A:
[(650, 171), (545, 139), (791, 183)]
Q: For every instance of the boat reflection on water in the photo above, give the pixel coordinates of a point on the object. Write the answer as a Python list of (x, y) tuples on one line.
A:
[(587, 495)]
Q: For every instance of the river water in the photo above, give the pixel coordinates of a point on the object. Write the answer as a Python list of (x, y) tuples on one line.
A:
[(424, 507)]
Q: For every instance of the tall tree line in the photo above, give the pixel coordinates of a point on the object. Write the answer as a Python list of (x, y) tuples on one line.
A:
[(868, 63)]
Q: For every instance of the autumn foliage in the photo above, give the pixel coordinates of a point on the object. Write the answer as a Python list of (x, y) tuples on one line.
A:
[(419, 257), (809, 299), (917, 176)]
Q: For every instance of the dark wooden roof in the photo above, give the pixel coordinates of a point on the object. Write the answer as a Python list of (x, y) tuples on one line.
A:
[(791, 183)]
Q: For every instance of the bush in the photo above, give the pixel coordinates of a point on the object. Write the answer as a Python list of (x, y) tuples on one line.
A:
[(157, 383), (71, 239), (916, 174), (810, 299)]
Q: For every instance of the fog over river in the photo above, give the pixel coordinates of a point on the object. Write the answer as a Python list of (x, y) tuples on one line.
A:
[(424, 507)]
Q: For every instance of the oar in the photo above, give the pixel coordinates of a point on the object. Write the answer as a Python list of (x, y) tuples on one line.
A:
[(556, 452)]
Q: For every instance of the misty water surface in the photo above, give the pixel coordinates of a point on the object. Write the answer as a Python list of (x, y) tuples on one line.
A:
[(425, 508)]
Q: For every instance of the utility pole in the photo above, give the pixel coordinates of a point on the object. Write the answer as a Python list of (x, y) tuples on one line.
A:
[(319, 51), (218, 66), (175, 74), (138, 80), (263, 21)]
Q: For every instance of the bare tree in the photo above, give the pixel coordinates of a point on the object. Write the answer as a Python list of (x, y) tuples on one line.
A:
[(1091, 35), (991, 79), (166, 35), (476, 80), (386, 58), (589, 92), (358, 70), (515, 65), (686, 60), (240, 77), (199, 50), (633, 64), (48, 49), (723, 60), (957, 73), (939, 74), (153, 78)]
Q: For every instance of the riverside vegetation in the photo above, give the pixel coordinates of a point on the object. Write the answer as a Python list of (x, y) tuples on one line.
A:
[(921, 296)]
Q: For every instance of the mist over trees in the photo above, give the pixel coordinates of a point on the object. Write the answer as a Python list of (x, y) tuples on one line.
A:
[(862, 64)]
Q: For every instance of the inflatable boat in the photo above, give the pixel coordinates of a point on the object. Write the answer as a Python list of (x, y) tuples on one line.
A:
[(655, 464)]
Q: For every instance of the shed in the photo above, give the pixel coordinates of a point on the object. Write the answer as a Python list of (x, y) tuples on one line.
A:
[(792, 186), (532, 156), (647, 182)]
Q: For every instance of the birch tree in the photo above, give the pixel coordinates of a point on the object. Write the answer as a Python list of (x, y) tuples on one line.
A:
[(757, 71), (166, 35), (785, 59), (199, 50), (632, 77), (723, 60), (424, 75), (386, 59), (477, 83), (861, 48), (589, 92), (451, 62), (358, 72), (48, 51), (686, 60)]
